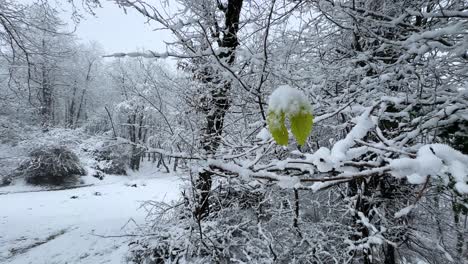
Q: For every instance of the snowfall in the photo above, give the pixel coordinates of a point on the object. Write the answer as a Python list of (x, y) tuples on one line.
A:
[(90, 224)]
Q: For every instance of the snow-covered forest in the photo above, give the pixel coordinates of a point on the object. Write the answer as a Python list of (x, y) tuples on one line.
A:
[(263, 131)]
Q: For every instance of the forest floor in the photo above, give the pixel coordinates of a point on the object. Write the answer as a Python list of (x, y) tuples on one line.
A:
[(91, 224)]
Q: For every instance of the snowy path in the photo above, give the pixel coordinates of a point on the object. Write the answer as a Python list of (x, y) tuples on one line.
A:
[(51, 227)]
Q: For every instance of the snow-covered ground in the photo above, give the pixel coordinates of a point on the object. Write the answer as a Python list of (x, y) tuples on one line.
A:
[(83, 225)]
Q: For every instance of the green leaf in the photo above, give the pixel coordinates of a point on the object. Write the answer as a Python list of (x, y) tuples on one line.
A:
[(301, 125), (291, 103), (277, 127)]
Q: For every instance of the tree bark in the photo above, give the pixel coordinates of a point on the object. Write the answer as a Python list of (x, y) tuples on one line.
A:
[(219, 104)]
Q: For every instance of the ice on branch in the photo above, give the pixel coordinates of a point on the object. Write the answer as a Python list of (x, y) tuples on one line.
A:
[(287, 102)]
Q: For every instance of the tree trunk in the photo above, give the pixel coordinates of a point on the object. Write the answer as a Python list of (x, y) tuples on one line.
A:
[(219, 105), (389, 254), (71, 109), (80, 107), (46, 94), (137, 137), (46, 100)]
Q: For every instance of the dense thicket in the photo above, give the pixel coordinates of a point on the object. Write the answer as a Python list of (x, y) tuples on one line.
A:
[(387, 81)]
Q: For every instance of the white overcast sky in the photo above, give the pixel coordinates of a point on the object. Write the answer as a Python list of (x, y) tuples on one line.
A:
[(120, 32), (115, 30)]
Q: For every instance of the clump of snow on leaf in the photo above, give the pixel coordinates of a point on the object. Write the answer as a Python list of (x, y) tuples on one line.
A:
[(287, 102)]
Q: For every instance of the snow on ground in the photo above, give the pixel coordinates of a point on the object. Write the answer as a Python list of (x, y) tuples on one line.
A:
[(82, 225)]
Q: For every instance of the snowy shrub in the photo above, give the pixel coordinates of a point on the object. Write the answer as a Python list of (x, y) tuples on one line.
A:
[(234, 196), (54, 165), (250, 226), (112, 159), (5, 180)]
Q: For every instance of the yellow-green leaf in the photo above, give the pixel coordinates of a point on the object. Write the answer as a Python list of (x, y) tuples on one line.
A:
[(291, 103), (277, 127), (301, 125)]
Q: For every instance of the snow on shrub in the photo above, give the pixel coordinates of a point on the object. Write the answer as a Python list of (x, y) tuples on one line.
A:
[(287, 102), (51, 165), (112, 159)]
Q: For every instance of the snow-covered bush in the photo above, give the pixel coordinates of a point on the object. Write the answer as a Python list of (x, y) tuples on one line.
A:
[(5, 180), (112, 159), (54, 165), (254, 225)]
